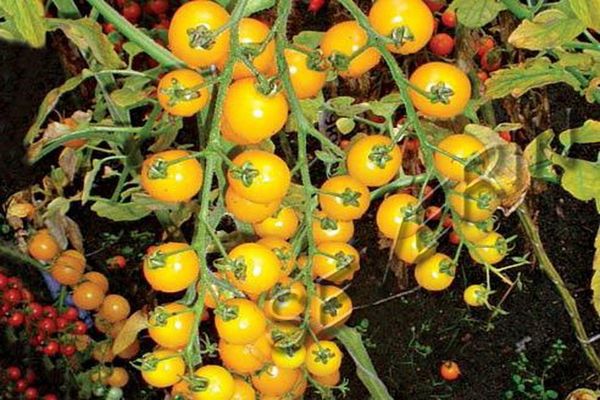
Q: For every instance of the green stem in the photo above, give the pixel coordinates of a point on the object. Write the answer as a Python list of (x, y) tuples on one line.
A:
[(520, 10), (548, 268), (399, 183), (153, 49), (16, 255)]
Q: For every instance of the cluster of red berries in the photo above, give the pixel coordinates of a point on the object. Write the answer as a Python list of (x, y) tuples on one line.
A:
[(153, 10), (47, 330), (20, 382)]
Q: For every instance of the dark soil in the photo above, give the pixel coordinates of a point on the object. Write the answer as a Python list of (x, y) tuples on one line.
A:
[(412, 335)]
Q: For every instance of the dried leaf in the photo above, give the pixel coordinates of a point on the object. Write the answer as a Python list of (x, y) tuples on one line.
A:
[(68, 162), (136, 322), (74, 235)]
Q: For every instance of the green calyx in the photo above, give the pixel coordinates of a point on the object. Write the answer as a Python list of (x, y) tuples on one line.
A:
[(401, 35), (328, 224), (158, 259), (246, 173), (380, 155), (447, 267), (227, 312), (441, 93), (323, 355), (158, 169), (350, 197), (178, 93), (200, 37)]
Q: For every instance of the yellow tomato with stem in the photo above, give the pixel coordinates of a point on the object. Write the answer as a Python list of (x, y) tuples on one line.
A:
[(259, 176), (474, 231), (416, 247), (283, 250), (435, 273), (325, 229), (399, 216), (162, 368), (335, 262), (275, 381), (285, 334), (181, 92), (289, 357), (114, 308), (252, 34), (240, 321), (171, 176), (68, 267), (475, 201), (323, 358), (306, 76), (98, 278), (409, 22), (330, 308), (253, 268), (245, 358), (460, 157), (171, 267), (171, 325), (196, 35), (286, 301), (88, 296), (490, 250), (219, 384), (248, 211), (449, 86), (283, 224), (374, 160), (252, 114), (475, 295), (43, 246), (344, 44), (118, 377), (344, 198)]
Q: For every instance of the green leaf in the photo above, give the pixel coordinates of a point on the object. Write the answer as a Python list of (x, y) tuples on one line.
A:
[(309, 39), (548, 29), (578, 177), (132, 49), (345, 125), (476, 13), (537, 153), (595, 283), (50, 102), (386, 105), (166, 132), (588, 133), (582, 61), (24, 21), (254, 6), (128, 98), (120, 211), (67, 9), (365, 370), (310, 109), (588, 11), (343, 106), (87, 35), (519, 79)]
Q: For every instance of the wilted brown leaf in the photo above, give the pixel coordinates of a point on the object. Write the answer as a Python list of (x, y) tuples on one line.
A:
[(137, 322)]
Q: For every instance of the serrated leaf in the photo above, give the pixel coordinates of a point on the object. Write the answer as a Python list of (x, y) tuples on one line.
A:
[(309, 39), (578, 177), (519, 79), (386, 105), (476, 13), (548, 29), (537, 155), (365, 370), (136, 322), (120, 211), (87, 34), (345, 125), (588, 133), (24, 21), (254, 6), (588, 11), (506, 166)]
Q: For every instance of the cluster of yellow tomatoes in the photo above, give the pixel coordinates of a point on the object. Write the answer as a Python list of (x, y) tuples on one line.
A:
[(89, 292)]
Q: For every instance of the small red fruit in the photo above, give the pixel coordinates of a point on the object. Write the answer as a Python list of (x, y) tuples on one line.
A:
[(13, 296), (447, 222), (51, 349), (435, 5), (68, 350), (117, 262), (50, 312), (433, 213), (21, 386), (450, 371), (31, 393), (491, 60), (47, 326), (3, 281), (449, 19), (441, 44), (15, 283), (505, 135), (108, 28), (16, 319), (79, 328), (315, 5), (30, 376), (453, 238), (132, 12), (486, 43), (158, 7), (61, 323), (71, 314), (483, 76), (13, 373)]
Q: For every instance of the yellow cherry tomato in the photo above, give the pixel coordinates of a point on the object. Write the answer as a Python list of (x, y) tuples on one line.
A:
[(447, 82), (251, 34), (242, 390), (245, 358), (340, 43), (259, 176), (118, 377), (490, 250), (474, 202), (251, 115), (97, 278), (474, 231), (171, 176), (435, 273), (283, 251), (325, 229), (399, 216), (162, 368), (283, 224), (416, 247), (323, 358), (240, 321), (475, 295), (248, 211), (68, 267), (171, 325), (286, 301), (307, 79), (253, 268), (330, 380), (43, 246), (219, 383), (88, 296), (289, 357), (344, 198), (171, 267), (179, 92), (285, 334), (374, 160), (114, 308), (189, 29), (229, 135), (275, 381), (335, 262), (410, 22), (330, 308), (462, 147)]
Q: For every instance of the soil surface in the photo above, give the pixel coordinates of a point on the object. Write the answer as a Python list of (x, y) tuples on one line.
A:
[(413, 334)]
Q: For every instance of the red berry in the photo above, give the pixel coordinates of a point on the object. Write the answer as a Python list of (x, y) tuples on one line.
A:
[(158, 7), (449, 19), (162, 24), (132, 12), (79, 328), (483, 76), (449, 370), (61, 323), (117, 262), (505, 135), (433, 213), (453, 238), (108, 28), (26, 295), (71, 314), (50, 397), (427, 192), (50, 312), (51, 348), (486, 43), (5, 308), (441, 44), (47, 326), (491, 60), (14, 282), (30, 376), (435, 5), (13, 373), (68, 350), (21, 386), (35, 310), (31, 393), (13, 296), (315, 5), (16, 319), (447, 222)]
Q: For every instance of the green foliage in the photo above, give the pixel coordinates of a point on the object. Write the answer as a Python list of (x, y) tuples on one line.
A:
[(550, 28), (23, 22), (587, 11), (476, 13)]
